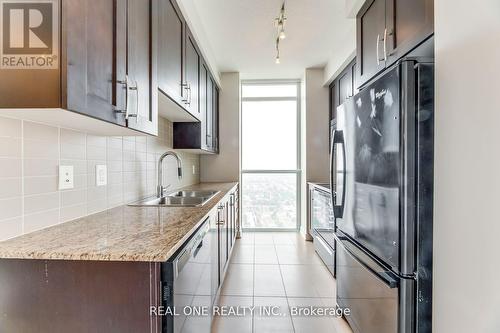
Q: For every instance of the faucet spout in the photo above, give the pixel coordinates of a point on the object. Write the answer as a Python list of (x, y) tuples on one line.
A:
[(160, 188)]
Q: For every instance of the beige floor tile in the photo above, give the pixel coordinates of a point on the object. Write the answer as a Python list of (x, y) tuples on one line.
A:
[(268, 281), (287, 238), (243, 254), (275, 319), (238, 280), (298, 281), (304, 323), (264, 238), (265, 254), (234, 324), (297, 255), (247, 238)]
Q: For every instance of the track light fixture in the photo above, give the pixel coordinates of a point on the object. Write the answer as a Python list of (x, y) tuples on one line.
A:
[(280, 25)]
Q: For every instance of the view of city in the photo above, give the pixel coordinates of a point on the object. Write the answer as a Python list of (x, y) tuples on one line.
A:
[(269, 201)]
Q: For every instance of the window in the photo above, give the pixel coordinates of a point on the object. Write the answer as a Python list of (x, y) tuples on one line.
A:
[(270, 155)]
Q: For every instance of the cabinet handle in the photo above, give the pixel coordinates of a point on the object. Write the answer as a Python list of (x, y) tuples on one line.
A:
[(378, 42), (184, 89), (385, 44), (132, 115), (125, 84), (188, 88)]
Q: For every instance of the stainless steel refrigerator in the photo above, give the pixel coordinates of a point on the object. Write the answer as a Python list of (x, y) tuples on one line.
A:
[(383, 152)]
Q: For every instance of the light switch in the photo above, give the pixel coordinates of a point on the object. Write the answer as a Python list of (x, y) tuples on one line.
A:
[(101, 175), (66, 177), (194, 170)]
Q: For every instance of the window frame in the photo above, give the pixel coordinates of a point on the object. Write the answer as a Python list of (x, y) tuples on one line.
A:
[(297, 171)]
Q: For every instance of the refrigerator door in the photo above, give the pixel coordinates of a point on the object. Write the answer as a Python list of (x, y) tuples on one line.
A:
[(379, 300), (367, 153)]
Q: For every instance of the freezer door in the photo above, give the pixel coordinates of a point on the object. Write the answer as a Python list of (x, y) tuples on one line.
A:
[(379, 301), (367, 200)]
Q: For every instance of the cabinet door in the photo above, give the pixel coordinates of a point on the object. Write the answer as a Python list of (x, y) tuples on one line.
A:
[(215, 125), (192, 75), (171, 51), (209, 119), (222, 238), (409, 22), (141, 66), (370, 33), (90, 40), (345, 85), (203, 104)]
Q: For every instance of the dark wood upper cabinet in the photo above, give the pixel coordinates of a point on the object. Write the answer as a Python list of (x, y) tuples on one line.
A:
[(204, 75), (106, 68), (370, 30), (201, 136), (209, 120), (345, 85), (387, 30), (171, 41), (192, 71), (141, 66), (91, 52), (215, 121), (342, 88)]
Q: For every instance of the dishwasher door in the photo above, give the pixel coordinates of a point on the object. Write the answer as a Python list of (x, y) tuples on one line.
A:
[(192, 284)]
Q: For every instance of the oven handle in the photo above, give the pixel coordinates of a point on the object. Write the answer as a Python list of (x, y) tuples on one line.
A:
[(385, 277)]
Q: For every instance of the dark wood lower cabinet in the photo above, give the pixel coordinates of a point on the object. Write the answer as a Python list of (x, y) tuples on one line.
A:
[(81, 296), (78, 296)]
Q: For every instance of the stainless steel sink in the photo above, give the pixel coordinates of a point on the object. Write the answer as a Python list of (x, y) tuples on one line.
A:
[(190, 194), (179, 199)]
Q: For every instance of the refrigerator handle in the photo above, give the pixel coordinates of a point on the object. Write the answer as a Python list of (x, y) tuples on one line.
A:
[(332, 151), (338, 209)]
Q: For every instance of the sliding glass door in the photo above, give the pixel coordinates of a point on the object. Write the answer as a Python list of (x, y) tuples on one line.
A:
[(270, 155)]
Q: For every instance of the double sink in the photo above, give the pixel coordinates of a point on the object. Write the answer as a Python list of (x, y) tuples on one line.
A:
[(179, 199)]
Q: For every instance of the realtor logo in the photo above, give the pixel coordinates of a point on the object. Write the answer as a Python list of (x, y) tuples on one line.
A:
[(29, 34)]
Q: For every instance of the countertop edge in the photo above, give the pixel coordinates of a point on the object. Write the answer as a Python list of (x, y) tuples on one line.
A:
[(6, 254)]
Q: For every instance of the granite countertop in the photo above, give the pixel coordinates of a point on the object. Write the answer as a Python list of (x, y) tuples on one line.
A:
[(123, 233)]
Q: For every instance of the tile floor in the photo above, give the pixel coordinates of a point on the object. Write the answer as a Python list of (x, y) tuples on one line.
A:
[(277, 269)]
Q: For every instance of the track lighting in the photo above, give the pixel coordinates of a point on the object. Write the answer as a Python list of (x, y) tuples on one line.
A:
[(280, 25)]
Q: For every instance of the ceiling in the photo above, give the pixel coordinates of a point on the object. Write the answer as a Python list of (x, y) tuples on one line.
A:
[(241, 34)]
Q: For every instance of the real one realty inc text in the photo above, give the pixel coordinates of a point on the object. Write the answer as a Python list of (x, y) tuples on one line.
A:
[(242, 311)]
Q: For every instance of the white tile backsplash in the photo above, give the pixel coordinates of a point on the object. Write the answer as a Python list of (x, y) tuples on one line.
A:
[(30, 154)]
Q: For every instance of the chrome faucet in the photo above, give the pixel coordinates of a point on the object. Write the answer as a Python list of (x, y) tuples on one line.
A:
[(160, 188)]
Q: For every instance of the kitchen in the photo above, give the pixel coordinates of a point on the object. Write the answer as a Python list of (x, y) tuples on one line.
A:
[(215, 166)]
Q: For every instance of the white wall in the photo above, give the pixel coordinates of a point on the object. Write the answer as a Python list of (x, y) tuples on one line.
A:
[(317, 126), (191, 15), (342, 55), (314, 127), (225, 166), (467, 167)]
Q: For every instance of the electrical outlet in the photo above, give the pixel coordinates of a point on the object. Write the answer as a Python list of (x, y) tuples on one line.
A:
[(66, 180), (101, 175)]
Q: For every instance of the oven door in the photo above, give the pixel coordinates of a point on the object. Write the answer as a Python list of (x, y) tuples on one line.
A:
[(322, 220), (379, 300)]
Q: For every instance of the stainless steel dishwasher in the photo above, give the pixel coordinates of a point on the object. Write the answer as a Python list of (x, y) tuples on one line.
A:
[(187, 284)]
